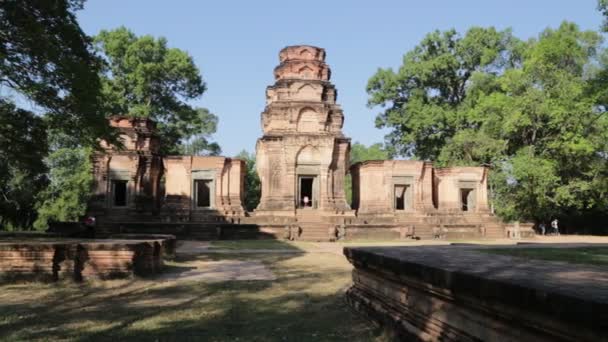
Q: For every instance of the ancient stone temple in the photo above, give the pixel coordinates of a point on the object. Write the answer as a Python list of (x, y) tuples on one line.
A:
[(302, 157), (135, 183), (302, 160)]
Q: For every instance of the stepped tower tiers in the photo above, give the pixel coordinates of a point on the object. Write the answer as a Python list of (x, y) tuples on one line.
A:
[(302, 156)]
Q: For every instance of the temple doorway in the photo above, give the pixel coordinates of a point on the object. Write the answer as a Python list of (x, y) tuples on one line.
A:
[(307, 194), (402, 197), (467, 199)]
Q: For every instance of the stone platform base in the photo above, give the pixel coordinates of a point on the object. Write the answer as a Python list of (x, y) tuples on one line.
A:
[(459, 294), (80, 259)]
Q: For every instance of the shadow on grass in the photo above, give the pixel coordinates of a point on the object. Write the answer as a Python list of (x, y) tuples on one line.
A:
[(305, 303)]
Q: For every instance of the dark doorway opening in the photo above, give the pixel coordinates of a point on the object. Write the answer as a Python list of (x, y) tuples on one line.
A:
[(306, 192), (119, 190), (203, 193), (466, 199), (400, 197)]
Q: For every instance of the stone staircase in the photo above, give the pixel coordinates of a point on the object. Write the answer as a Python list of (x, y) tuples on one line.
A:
[(312, 226)]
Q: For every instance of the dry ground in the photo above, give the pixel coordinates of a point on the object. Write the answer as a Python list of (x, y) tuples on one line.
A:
[(304, 303)]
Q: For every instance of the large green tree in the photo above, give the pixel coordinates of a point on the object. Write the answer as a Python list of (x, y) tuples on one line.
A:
[(422, 99), (146, 78), (69, 189), (46, 58), (523, 108), (46, 63), (22, 170)]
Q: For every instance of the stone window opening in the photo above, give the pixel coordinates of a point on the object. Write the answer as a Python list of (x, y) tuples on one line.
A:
[(202, 193), (119, 193)]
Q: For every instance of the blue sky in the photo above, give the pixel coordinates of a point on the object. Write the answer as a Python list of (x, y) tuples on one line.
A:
[(236, 44)]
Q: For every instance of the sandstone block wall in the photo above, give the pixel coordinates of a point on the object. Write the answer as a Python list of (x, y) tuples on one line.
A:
[(456, 294), (158, 187), (79, 260)]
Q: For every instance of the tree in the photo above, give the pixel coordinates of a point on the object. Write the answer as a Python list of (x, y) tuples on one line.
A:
[(253, 190), (71, 178), (46, 61), (145, 78), (46, 58), (423, 98), (602, 6), (199, 144), (360, 153), (525, 109), (22, 171)]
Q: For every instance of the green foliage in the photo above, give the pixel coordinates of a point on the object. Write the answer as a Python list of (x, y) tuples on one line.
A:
[(533, 111), (22, 171), (47, 60), (45, 57), (359, 153), (423, 97), (143, 77), (253, 190), (199, 144), (602, 6), (71, 178)]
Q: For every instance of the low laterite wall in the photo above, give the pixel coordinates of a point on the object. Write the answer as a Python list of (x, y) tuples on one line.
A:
[(79, 260), (460, 294)]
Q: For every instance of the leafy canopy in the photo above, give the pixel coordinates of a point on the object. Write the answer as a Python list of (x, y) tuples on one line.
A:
[(22, 170), (46, 58), (145, 78), (527, 109)]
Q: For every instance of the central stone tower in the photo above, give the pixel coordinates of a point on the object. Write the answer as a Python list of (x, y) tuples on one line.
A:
[(302, 157)]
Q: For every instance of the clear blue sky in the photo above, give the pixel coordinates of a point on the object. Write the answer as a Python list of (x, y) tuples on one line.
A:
[(236, 43)]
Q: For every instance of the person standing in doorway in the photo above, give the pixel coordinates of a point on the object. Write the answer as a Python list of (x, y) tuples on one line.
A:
[(554, 225), (305, 200)]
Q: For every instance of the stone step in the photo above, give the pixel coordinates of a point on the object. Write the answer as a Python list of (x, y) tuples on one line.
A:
[(315, 232)]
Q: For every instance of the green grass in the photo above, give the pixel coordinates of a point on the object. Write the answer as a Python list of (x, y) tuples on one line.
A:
[(305, 303), (582, 255), (255, 244)]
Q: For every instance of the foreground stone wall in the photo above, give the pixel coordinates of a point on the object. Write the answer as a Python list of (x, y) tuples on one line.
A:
[(459, 294), (80, 260)]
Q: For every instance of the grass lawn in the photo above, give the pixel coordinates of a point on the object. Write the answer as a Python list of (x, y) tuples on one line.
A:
[(304, 303), (257, 244), (582, 255)]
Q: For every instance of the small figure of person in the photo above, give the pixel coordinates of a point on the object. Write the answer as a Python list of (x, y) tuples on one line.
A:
[(542, 228), (305, 200), (554, 225), (89, 224)]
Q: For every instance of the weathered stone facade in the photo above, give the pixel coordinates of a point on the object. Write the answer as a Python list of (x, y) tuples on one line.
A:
[(404, 186), (463, 294), (302, 160), (136, 183), (420, 200), (303, 154)]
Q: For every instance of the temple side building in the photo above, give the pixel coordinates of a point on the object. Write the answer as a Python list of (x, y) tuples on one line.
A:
[(135, 183)]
